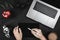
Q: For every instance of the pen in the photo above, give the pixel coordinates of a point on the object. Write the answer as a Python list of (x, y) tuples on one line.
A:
[(31, 30)]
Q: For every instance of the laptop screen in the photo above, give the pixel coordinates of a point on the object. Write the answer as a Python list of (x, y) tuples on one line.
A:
[(45, 9)]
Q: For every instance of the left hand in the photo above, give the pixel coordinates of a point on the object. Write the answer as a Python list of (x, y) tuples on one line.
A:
[(17, 33)]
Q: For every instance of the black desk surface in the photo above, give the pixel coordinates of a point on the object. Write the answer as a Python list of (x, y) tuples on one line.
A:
[(21, 18)]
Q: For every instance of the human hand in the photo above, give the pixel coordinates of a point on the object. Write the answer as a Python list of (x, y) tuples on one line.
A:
[(17, 33), (38, 33)]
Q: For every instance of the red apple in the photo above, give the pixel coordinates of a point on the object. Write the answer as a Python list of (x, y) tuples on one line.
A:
[(6, 14)]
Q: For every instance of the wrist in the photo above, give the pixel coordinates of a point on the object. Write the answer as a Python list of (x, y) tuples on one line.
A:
[(18, 39), (42, 38)]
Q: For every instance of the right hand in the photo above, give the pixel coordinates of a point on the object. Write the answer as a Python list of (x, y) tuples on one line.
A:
[(38, 33)]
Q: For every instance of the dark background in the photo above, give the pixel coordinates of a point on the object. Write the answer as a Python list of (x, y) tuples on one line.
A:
[(18, 15)]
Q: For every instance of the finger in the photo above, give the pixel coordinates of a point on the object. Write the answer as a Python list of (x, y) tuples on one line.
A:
[(33, 32), (15, 29), (37, 30), (20, 30)]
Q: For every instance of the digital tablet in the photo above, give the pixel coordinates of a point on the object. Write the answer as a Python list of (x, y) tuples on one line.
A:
[(43, 13)]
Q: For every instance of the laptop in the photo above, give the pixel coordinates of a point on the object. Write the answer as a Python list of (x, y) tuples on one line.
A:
[(43, 13)]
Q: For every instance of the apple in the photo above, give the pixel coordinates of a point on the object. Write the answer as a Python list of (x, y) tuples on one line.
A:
[(6, 14)]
